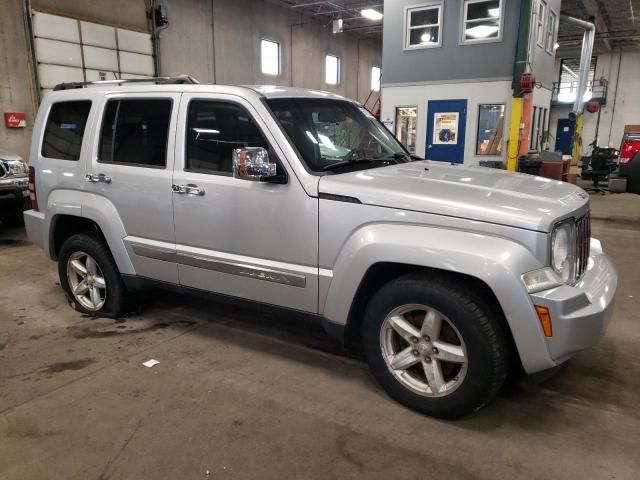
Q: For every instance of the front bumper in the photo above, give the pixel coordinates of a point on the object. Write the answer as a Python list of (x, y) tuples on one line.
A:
[(581, 313), (14, 189)]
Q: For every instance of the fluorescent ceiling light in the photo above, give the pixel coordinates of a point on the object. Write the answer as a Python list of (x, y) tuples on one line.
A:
[(371, 14), (494, 12), (567, 97), (482, 31), (426, 39)]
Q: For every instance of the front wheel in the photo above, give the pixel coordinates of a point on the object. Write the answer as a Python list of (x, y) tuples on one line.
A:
[(90, 278), (434, 347)]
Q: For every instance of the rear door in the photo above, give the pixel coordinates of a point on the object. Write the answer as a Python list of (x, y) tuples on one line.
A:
[(132, 166), (446, 121)]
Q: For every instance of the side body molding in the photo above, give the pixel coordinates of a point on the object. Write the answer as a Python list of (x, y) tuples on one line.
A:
[(496, 261)]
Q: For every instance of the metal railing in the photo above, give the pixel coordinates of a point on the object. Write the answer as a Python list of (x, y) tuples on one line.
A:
[(565, 92)]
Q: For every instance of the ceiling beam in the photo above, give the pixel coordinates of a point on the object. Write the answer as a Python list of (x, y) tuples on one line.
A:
[(593, 10)]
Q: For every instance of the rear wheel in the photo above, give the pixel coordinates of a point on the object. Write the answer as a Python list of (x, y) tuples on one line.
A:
[(90, 278), (434, 347)]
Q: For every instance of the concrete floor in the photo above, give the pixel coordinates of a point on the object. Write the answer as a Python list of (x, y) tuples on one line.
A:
[(242, 394)]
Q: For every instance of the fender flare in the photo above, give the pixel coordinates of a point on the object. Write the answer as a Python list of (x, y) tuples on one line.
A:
[(97, 209), (496, 261)]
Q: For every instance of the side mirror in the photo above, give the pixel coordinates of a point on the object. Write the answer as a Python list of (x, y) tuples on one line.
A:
[(252, 163)]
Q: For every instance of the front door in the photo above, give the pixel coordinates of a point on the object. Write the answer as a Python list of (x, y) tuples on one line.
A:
[(564, 135), (132, 166), (252, 240), (446, 121)]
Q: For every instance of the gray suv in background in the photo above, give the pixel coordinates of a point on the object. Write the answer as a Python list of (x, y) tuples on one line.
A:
[(300, 199)]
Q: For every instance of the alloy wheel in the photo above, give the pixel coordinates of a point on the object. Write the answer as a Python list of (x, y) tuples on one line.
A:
[(423, 350), (86, 281)]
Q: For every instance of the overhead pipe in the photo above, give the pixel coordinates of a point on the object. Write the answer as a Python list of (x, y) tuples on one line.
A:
[(588, 40)]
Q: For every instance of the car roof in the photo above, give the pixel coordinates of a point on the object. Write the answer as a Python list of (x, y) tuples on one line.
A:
[(267, 91)]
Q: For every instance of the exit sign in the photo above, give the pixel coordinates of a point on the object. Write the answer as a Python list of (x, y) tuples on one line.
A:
[(15, 119)]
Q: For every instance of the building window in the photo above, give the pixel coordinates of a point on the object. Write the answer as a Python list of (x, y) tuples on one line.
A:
[(332, 70), (376, 73), (65, 129), (551, 31), (535, 120), (541, 16), (135, 132), (406, 118), (481, 21), (269, 57), (566, 89), (490, 129), (422, 26)]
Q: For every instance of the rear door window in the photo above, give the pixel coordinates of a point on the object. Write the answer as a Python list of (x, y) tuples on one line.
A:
[(64, 130), (135, 132)]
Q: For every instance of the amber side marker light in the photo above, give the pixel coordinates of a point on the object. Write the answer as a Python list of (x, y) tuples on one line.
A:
[(545, 320)]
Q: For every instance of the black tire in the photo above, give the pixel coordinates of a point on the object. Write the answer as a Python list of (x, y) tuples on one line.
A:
[(118, 300), (478, 324)]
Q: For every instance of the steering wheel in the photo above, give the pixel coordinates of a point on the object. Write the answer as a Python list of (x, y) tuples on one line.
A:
[(352, 154)]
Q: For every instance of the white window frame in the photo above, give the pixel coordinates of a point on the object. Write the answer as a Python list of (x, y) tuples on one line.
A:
[(379, 81), (541, 22), (463, 22), (407, 24), (552, 28), (339, 69), (279, 65)]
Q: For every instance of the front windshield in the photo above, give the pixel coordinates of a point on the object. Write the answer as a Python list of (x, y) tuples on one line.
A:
[(336, 133)]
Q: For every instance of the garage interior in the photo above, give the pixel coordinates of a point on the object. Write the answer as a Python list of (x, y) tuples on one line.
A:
[(244, 392)]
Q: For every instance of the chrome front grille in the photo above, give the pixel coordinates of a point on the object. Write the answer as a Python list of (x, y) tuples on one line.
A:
[(583, 243)]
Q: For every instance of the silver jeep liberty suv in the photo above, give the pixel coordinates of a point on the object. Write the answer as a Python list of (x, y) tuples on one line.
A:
[(301, 199)]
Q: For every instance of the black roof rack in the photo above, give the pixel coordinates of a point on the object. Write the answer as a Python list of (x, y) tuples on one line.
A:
[(182, 80)]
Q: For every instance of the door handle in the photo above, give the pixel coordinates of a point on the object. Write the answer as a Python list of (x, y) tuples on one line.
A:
[(188, 189), (97, 177)]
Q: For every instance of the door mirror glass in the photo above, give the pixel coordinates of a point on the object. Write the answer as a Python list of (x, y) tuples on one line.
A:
[(252, 163)]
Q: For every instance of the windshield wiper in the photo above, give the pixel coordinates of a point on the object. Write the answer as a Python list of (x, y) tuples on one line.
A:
[(355, 161), (395, 156)]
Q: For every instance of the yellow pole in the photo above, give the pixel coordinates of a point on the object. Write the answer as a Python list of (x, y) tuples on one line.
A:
[(576, 152), (514, 134)]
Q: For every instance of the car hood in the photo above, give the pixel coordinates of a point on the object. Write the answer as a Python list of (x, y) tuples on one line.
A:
[(9, 156), (476, 193)]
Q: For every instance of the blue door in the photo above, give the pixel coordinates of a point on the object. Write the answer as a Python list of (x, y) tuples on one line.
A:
[(564, 135), (446, 121)]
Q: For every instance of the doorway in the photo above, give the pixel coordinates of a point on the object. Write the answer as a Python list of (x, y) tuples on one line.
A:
[(446, 122)]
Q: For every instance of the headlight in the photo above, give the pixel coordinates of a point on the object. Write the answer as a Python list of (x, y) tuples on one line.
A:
[(562, 251), (17, 167)]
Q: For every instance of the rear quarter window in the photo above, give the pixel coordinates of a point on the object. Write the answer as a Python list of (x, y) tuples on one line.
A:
[(64, 129)]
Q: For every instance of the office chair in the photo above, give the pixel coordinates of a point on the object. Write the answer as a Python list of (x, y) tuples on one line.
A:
[(600, 169)]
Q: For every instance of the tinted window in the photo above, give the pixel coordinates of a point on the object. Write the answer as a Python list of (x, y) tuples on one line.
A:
[(135, 132), (64, 130), (214, 130)]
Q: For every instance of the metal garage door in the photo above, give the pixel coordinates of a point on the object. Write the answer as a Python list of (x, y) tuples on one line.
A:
[(70, 50)]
